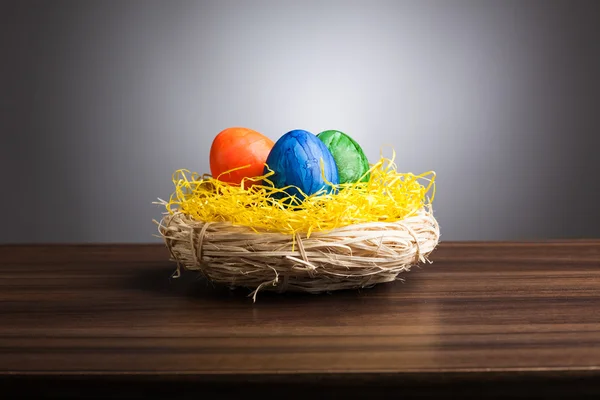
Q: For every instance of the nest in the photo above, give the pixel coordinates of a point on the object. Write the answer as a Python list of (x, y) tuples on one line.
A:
[(349, 257), (363, 234)]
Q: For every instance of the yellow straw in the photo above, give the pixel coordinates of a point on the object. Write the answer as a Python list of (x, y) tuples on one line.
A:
[(388, 196)]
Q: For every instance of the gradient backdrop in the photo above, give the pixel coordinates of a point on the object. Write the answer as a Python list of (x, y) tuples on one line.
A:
[(101, 101)]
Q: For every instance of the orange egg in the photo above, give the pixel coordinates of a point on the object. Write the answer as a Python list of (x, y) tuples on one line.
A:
[(238, 147)]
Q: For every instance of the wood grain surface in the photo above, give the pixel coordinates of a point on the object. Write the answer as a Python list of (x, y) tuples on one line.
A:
[(520, 317)]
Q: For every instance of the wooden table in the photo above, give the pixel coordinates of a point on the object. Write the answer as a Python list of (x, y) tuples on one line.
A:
[(483, 319)]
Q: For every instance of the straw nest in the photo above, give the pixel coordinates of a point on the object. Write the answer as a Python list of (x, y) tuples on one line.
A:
[(349, 257)]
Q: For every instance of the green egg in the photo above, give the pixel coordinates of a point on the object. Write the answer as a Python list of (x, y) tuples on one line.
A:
[(351, 161)]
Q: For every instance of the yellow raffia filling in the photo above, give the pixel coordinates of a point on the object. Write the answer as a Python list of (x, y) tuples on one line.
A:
[(388, 196)]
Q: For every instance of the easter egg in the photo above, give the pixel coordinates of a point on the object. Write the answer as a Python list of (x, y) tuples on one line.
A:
[(296, 161), (238, 147), (348, 155)]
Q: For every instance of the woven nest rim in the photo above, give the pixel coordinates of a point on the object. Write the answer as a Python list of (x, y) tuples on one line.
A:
[(349, 257)]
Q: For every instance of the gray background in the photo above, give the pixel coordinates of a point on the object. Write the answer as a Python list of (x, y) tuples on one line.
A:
[(101, 101)]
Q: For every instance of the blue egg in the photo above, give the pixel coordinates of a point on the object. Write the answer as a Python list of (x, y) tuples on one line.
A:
[(295, 160)]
